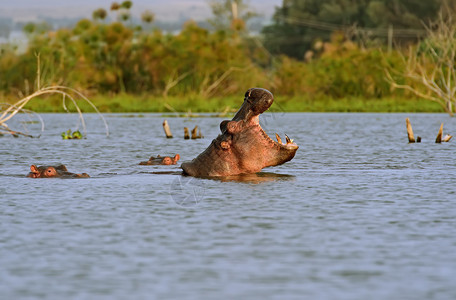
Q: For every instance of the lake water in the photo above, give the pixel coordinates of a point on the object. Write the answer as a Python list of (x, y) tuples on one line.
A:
[(358, 213)]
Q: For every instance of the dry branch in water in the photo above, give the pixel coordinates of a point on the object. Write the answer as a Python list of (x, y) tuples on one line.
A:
[(4, 129), (439, 135), (447, 138), (167, 130), (196, 133), (65, 92), (186, 133), (411, 138), (439, 139)]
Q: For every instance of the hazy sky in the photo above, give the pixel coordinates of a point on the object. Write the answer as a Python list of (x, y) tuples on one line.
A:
[(21, 10)]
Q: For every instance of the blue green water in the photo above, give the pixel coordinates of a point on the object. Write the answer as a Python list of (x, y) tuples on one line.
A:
[(358, 213)]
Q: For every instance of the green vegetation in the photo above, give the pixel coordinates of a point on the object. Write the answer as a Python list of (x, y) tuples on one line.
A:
[(356, 104), (142, 103), (298, 24), (68, 135), (135, 103), (126, 67)]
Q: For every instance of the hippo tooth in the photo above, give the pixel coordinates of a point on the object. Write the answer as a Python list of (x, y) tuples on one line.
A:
[(289, 141), (279, 140)]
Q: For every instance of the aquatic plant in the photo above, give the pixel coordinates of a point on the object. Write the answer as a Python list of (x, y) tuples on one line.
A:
[(68, 135)]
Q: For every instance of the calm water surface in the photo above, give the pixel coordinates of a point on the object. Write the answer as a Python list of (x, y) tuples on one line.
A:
[(358, 213)]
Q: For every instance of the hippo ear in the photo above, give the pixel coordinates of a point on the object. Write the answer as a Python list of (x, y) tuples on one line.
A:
[(62, 168), (223, 125), (176, 157), (34, 169)]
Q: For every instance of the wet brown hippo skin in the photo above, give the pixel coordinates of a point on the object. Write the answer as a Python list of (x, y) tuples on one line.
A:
[(243, 147), (53, 171), (159, 160)]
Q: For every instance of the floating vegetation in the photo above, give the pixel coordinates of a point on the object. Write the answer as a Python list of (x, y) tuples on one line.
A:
[(75, 135)]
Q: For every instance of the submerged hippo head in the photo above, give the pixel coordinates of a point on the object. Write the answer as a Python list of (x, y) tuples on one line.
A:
[(243, 147), (53, 171), (159, 160)]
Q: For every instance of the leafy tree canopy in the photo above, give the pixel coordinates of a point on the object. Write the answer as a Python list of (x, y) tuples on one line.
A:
[(298, 23), (230, 14)]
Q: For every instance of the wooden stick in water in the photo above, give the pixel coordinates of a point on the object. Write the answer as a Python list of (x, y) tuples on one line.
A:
[(186, 134), (438, 140), (167, 129), (447, 138), (411, 138), (195, 132)]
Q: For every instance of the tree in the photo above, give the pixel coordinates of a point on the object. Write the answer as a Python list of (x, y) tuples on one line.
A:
[(99, 14), (429, 71), (125, 16), (147, 16), (126, 4), (36, 28), (115, 6), (297, 24), (232, 14), (123, 10)]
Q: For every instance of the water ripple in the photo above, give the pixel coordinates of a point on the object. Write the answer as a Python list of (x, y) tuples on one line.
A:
[(357, 214)]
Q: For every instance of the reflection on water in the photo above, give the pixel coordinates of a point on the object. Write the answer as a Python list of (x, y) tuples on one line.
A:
[(163, 172), (359, 215), (245, 178), (255, 178)]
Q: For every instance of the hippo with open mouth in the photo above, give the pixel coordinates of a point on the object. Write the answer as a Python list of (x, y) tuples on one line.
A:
[(243, 147)]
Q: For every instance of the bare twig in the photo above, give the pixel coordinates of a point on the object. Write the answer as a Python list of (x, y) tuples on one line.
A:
[(430, 69), (173, 82), (24, 111), (12, 132), (66, 92), (208, 91)]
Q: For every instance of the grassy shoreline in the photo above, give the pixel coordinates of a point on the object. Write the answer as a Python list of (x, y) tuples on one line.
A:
[(144, 104)]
